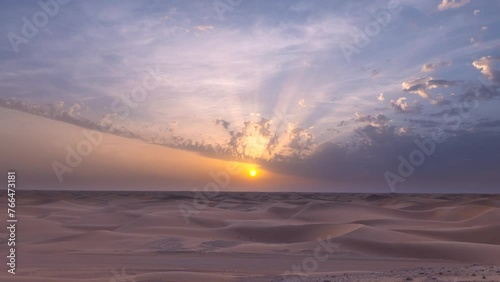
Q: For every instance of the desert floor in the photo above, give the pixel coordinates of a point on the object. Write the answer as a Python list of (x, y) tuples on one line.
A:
[(175, 236)]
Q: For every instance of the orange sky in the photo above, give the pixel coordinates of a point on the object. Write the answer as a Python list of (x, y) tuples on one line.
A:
[(34, 145)]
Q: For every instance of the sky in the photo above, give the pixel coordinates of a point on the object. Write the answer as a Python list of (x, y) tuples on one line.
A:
[(337, 96)]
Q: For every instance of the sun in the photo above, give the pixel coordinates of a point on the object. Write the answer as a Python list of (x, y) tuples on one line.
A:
[(252, 173)]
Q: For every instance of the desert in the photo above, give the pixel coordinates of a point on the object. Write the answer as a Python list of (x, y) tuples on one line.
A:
[(143, 236)]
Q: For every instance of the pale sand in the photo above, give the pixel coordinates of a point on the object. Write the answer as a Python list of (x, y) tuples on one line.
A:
[(129, 236)]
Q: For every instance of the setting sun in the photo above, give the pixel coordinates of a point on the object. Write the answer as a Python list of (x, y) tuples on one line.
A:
[(253, 173)]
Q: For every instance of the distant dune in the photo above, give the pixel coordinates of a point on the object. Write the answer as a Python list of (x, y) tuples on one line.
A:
[(155, 236)]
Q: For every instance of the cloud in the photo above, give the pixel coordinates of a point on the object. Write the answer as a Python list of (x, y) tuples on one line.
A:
[(440, 83), (301, 142), (379, 120), (476, 12), (381, 97), (374, 73), (425, 123), (486, 66), (401, 106), (255, 140), (333, 130), (260, 140), (431, 67), (418, 86), (222, 122), (302, 103), (58, 111), (455, 165), (74, 110), (488, 124), (403, 130), (452, 4), (481, 91), (423, 85), (203, 28)]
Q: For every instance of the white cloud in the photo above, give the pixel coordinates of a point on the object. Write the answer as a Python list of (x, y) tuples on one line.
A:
[(486, 66), (403, 131), (379, 120), (381, 97), (452, 4), (74, 110), (402, 106), (423, 85), (418, 86), (203, 27), (431, 66)]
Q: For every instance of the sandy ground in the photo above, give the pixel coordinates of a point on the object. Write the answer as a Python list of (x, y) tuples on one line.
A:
[(153, 236)]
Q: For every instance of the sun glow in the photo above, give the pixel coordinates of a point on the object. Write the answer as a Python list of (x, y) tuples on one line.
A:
[(255, 145), (252, 173)]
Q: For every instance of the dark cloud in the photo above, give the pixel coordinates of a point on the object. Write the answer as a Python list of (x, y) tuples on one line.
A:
[(423, 86), (361, 160), (301, 142), (222, 122), (425, 123), (71, 115), (474, 93), (488, 124), (440, 83), (379, 120), (463, 161), (478, 90), (333, 130)]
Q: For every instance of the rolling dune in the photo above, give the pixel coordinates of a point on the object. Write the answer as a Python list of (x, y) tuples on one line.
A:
[(143, 236)]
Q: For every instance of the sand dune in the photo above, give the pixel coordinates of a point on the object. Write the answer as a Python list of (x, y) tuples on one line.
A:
[(143, 236)]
